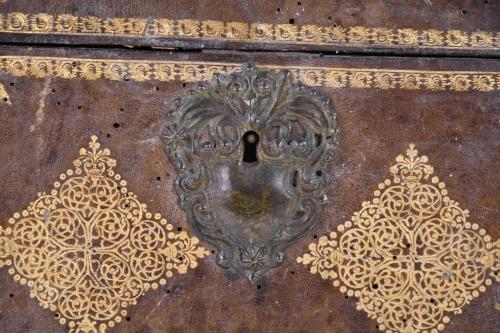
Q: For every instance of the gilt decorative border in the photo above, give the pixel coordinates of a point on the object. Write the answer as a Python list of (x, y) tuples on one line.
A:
[(192, 71), (66, 24)]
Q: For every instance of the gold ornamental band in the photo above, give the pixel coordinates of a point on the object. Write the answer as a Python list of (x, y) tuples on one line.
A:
[(310, 34), (193, 71)]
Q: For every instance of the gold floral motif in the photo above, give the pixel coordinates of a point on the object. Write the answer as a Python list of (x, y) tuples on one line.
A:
[(483, 82), (360, 35), (66, 23), (136, 27), (255, 32), (460, 83), (335, 35), (383, 36), (89, 248), (163, 72), (361, 79), (90, 71), (139, 72), (40, 68), (286, 32), (91, 25), (482, 39), (161, 27), (261, 31), (336, 78), (68, 69), (190, 71), (311, 33), (212, 29), (116, 71), (16, 22), (114, 26), (408, 36), (211, 70), (17, 66), (186, 28), (41, 23), (410, 256), (457, 38), (410, 81), (385, 81), (311, 77), (237, 30), (436, 81), (433, 38)]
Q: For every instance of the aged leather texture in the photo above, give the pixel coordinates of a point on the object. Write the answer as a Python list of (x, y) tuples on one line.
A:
[(407, 79)]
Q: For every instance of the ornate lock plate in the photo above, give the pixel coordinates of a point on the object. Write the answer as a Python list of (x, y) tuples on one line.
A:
[(251, 150)]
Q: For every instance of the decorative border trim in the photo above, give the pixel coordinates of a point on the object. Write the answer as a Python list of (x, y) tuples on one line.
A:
[(187, 71), (66, 24)]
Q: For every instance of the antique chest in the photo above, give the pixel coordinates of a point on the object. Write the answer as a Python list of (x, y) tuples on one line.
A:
[(249, 166)]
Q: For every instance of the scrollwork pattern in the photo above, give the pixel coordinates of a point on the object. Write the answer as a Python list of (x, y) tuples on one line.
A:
[(410, 256), (89, 248)]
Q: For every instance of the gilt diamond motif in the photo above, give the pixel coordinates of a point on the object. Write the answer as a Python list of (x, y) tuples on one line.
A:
[(410, 256), (89, 248)]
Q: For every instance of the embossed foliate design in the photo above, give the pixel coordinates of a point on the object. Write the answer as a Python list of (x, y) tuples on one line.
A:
[(190, 71), (89, 248), (68, 24), (251, 151), (410, 256)]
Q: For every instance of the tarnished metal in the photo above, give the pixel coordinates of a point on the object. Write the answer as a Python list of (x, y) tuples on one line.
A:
[(251, 150)]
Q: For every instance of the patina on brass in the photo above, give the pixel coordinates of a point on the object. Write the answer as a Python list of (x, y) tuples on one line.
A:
[(251, 151)]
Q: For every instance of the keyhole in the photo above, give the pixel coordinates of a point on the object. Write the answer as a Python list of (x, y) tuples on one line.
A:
[(250, 140)]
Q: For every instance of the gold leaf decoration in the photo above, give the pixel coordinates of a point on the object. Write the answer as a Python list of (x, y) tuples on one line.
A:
[(89, 248), (255, 32), (410, 256), (192, 71)]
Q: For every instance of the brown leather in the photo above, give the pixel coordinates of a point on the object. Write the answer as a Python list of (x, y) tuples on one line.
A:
[(46, 120)]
